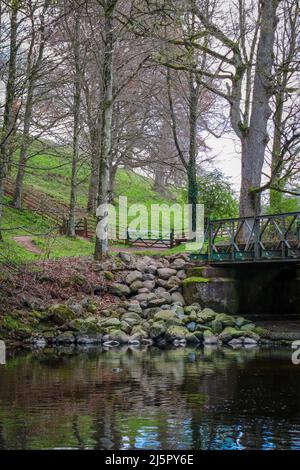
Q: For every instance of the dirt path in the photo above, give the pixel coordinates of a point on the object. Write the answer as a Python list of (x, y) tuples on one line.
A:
[(27, 243)]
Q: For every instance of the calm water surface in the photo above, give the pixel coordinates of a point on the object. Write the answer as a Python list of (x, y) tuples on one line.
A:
[(150, 399)]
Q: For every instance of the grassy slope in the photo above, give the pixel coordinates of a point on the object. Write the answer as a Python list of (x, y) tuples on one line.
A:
[(51, 174)]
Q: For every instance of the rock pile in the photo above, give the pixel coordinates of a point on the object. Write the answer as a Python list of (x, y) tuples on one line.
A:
[(149, 308)]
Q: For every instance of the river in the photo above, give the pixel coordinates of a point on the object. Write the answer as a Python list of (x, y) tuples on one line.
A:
[(129, 398)]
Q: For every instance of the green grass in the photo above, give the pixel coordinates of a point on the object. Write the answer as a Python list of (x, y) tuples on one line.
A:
[(49, 171), (18, 223)]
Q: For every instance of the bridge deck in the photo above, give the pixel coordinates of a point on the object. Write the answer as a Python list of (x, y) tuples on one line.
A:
[(244, 240)]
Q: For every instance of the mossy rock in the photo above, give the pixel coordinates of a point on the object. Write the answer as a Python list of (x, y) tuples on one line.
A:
[(207, 334), (125, 327), (262, 332), (92, 308), (66, 338), (76, 325), (192, 339), (119, 336), (248, 327), (133, 315), (176, 332), (207, 315), (91, 327), (164, 315), (49, 335), (15, 327), (157, 329), (202, 328), (229, 333), (226, 320), (111, 322), (38, 315), (216, 326), (61, 314), (138, 330), (241, 321), (174, 321), (252, 335), (189, 309), (108, 275)]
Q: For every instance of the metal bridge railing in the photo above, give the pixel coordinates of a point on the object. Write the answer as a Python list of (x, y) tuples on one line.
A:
[(260, 238)]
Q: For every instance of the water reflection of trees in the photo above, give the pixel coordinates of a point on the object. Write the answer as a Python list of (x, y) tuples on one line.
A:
[(132, 398)]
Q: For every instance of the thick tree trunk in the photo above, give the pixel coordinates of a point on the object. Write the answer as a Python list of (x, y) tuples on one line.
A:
[(255, 138), (8, 117), (101, 246), (76, 127)]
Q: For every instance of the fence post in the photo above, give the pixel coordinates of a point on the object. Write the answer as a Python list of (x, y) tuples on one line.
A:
[(172, 238), (127, 236), (256, 238)]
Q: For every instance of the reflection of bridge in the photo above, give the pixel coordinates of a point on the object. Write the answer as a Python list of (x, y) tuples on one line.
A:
[(265, 238)]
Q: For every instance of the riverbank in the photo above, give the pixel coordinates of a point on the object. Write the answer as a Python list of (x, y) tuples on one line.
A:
[(128, 299)]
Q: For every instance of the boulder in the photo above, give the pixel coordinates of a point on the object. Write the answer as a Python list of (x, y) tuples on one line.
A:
[(119, 289), (134, 306), (133, 276), (151, 269), (164, 315), (157, 329), (148, 277), (178, 263), (250, 341), (178, 298), (240, 321), (191, 326), (66, 338), (248, 327), (229, 333), (111, 322), (126, 257), (235, 342), (135, 286), (61, 314), (119, 336), (157, 302), (192, 339), (211, 340), (226, 320), (181, 274), (176, 332), (149, 285), (166, 273), (124, 326), (216, 326), (207, 315)]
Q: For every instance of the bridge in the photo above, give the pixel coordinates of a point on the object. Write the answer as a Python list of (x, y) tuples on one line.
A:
[(247, 240)]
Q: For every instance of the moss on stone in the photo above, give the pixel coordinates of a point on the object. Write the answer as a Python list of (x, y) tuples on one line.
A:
[(196, 279)]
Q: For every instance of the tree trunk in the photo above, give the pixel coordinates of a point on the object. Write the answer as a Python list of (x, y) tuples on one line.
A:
[(76, 127), (94, 178), (101, 246), (255, 138), (8, 117), (276, 196), (17, 200), (192, 163), (32, 77)]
